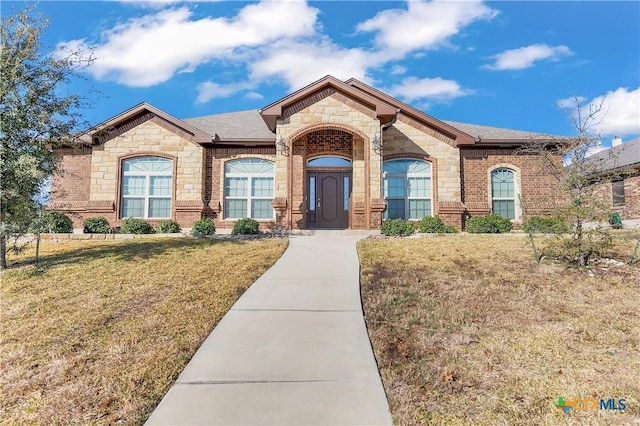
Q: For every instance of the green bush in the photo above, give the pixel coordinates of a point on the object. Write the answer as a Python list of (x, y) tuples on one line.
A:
[(434, 225), (448, 229), (397, 227), (614, 220), (246, 226), (430, 224), (52, 221), (204, 226), (96, 225), (489, 224), (132, 225), (545, 225), (168, 227)]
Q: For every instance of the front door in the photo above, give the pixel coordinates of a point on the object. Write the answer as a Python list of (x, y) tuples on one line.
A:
[(329, 193)]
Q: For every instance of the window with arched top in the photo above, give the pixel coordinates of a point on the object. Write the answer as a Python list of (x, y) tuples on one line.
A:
[(407, 189), (503, 193), (248, 188), (147, 184)]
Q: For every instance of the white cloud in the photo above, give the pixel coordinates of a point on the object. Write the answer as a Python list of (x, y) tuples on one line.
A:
[(254, 96), (524, 57), (210, 90), (620, 113), (423, 25), (398, 70), (299, 63), (570, 102), (431, 89), (615, 113), (149, 50), (276, 40)]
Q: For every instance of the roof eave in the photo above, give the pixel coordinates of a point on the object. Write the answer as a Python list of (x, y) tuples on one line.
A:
[(199, 136), (270, 114), (454, 133)]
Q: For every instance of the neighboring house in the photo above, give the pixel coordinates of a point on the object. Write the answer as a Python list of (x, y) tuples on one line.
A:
[(620, 168), (333, 155)]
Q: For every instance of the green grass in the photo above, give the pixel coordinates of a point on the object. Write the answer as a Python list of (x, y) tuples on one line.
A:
[(101, 330), (468, 329)]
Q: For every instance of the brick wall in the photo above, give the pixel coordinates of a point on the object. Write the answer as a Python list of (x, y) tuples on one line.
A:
[(215, 157), (70, 186), (538, 188), (631, 207)]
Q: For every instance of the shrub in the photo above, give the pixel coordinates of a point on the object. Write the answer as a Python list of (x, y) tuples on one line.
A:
[(431, 225), (615, 221), (136, 226), (545, 225), (52, 221), (204, 226), (397, 227), (96, 225), (168, 227), (448, 229), (246, 226), (489, 224)]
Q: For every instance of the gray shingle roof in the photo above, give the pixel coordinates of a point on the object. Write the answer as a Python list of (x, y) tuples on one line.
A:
[(487, 132), (621, 156), (247, 125)]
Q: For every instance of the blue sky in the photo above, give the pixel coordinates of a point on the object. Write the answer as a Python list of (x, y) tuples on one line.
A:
[(504, 64)]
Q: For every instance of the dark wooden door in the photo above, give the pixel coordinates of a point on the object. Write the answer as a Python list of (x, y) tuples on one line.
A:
[(331, 205)]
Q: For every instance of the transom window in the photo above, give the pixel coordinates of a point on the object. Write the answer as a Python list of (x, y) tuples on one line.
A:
[(248, 189), (146, 188), (503, 193), (407, 189), (329, 162)]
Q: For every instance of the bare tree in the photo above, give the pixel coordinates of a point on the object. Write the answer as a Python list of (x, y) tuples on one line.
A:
[(578, 174)]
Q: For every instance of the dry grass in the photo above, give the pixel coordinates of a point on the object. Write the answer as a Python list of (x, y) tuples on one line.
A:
[(468, 329), (99, 334)]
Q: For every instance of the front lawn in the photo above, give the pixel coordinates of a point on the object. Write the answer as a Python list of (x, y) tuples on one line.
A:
[(100, 332), (468, 329)]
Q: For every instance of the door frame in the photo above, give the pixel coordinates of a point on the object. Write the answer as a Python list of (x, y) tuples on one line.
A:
[(312, 221)]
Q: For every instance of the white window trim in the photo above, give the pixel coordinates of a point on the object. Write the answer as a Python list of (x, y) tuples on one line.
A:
[(406, 177), (516, 182), (147, 188), (249, 197)]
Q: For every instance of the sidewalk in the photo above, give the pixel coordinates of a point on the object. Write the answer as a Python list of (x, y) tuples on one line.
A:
[(292, 350)]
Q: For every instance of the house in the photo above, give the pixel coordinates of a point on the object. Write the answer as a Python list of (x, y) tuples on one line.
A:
[(332, 155), (619, 174)]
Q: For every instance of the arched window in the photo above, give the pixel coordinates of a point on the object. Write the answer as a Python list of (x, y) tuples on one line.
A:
[(407, 189), (146, 188), (503, 193), (248, 189)]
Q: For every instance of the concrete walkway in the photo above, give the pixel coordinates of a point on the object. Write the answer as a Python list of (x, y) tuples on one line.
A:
[(292, 350)]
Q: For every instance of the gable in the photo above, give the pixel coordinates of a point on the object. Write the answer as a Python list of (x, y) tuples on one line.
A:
[(321, 89), (141, 114)]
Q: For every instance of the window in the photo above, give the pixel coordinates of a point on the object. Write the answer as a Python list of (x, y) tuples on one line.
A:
[(617, 193), (146, 188), (503, 193), (248, 189), (329, 162), (407, 189)]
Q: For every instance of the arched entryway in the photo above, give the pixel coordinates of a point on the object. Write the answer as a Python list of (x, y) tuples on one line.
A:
[(327, 165)]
